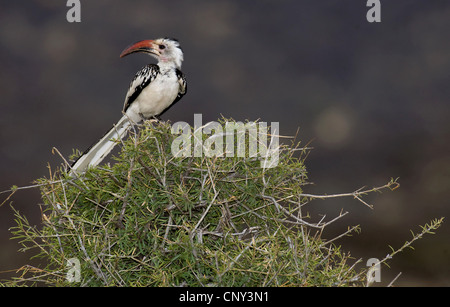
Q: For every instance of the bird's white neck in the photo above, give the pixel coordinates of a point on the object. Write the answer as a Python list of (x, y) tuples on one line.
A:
[(167, 65)]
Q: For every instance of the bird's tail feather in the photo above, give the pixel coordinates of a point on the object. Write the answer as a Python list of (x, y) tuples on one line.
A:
[(98, 151)]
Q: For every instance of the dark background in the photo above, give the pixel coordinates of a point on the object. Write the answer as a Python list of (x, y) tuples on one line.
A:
[(372, 97)]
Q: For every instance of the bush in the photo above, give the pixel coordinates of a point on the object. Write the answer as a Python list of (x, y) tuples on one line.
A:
[(152, 219)]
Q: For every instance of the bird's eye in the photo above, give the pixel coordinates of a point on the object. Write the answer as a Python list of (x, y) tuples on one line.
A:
[(162, 47)]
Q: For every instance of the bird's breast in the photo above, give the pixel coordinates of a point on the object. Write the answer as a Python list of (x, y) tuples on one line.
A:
[(157, 96)]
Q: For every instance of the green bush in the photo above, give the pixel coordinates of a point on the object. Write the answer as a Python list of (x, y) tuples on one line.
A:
[(152, 219)]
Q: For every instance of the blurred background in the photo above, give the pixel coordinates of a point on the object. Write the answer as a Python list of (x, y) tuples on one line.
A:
[(372, 98)]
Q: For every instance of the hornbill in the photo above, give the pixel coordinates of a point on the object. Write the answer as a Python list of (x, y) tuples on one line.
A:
[(154, 89)]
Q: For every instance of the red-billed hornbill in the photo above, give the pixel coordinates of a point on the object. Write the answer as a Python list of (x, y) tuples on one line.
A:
[(153, 90)]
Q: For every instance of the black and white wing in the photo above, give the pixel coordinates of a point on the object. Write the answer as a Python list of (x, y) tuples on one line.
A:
[(142, 78), (183, 85)]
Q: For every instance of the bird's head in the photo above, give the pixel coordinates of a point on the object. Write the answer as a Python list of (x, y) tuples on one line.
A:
[(165, 50)]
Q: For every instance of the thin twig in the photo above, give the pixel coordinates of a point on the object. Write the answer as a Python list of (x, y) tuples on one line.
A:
[(392, 185), (395, 278)]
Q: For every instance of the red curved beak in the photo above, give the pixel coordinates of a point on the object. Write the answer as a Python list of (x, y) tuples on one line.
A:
[(146, 46)]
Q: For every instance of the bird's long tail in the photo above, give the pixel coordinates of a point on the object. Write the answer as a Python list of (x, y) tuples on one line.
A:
[(98, 151)]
